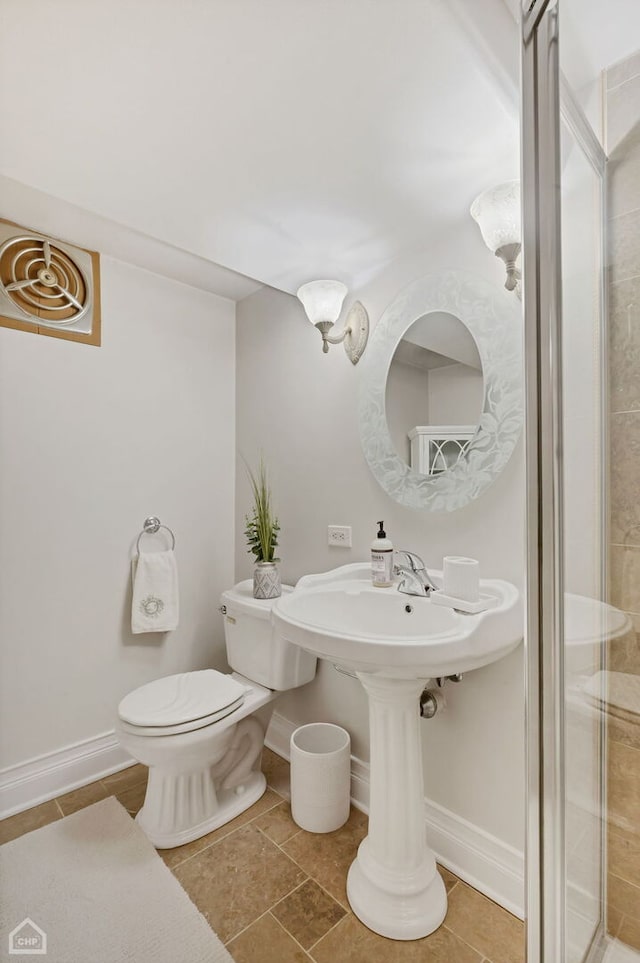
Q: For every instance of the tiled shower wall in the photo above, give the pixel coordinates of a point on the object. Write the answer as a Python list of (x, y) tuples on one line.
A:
[(623, 147)]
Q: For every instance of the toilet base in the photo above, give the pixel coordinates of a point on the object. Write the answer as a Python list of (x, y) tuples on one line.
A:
[(231, 802)]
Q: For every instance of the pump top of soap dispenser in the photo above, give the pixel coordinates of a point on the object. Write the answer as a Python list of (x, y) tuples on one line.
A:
[(381, 533)]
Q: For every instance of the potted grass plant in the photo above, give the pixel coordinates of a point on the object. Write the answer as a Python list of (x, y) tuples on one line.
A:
[(261, 529)]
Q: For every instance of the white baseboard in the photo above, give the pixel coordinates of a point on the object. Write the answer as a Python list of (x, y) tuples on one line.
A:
[(485, 862), (480, 859), (36, 781)]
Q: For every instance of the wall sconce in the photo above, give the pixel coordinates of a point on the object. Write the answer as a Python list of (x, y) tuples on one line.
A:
[(497, 213), (322, 300)]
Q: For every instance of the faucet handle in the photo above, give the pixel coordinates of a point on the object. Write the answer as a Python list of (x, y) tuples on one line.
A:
[(415, 562)]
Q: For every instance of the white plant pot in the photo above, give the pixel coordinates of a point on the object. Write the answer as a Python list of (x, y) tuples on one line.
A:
[(266, 581)]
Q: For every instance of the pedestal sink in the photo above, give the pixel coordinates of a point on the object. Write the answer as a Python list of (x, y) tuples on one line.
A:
[(394, 643)]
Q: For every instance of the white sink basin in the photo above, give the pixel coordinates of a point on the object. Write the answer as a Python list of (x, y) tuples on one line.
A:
[(340, 616), (394, 642)]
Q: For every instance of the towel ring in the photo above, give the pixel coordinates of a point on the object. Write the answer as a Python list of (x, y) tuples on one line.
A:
[(150, 527)]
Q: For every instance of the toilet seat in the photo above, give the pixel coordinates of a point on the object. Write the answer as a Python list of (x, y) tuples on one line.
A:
[(181, 703)]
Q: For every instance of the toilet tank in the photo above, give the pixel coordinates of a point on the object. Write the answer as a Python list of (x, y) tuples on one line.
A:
[(254, 648)]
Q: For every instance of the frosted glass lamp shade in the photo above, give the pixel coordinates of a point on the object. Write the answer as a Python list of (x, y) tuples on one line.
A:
[(322, 300), (497, 213)]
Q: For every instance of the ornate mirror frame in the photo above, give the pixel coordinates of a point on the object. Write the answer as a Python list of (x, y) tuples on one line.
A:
[(493, 317)]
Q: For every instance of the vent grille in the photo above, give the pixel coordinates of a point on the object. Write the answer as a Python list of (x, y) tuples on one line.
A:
[(48, 286), (42, 280)]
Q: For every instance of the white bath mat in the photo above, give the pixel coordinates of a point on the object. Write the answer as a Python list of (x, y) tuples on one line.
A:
[(91, 888), (618, 952)]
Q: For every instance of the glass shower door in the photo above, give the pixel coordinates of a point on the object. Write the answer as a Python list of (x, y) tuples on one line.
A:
[(583, 462), (563, 171), (576, 700)]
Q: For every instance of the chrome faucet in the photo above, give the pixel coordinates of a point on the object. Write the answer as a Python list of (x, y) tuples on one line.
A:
[(414, 578)]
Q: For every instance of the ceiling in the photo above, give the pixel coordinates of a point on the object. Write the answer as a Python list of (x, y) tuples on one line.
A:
[(284, 140), (438, 339)]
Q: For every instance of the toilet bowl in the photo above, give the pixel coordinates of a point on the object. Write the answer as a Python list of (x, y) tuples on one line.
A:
[(201, 733)]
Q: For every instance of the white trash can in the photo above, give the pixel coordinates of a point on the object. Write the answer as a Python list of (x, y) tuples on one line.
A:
[(320, 777)]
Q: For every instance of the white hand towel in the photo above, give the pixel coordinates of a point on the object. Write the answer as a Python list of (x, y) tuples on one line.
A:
[(155, 592)]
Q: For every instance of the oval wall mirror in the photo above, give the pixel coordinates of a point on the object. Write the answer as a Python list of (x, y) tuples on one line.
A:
[(435, 393), (441, 395)]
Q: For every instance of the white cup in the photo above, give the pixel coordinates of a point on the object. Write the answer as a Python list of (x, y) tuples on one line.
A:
[(461, 578)]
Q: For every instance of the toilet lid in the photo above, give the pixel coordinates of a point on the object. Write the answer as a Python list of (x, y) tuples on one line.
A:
[(182, 698)]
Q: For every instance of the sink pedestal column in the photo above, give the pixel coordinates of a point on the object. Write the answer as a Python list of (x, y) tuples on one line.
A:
[(393, 884)]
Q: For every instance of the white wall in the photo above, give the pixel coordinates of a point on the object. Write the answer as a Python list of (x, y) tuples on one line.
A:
[(92, 440), (456, 393), (298, 406), (451, 395), (407, 404)]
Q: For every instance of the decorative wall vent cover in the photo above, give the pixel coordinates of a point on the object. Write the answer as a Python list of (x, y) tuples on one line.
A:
[(48, 286)]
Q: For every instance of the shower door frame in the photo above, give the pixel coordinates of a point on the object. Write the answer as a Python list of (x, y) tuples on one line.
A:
[(546, 100), (542, 298)]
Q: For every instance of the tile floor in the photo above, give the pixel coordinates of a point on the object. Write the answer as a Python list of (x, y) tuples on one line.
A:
[(283, 898)]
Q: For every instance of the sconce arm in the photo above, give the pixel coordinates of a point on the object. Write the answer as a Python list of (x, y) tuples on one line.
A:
[(324, 327), (355, 333)]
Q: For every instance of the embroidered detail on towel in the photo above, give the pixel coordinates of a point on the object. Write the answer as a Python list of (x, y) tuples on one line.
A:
[(151, 606)]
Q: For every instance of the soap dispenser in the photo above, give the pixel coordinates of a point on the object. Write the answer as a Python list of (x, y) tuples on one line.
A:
[(382, 559)]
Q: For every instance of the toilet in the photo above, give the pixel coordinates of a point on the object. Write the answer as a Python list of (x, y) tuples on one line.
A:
[(201, 733)]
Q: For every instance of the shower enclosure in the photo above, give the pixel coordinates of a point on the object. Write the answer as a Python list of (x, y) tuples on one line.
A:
[(583, 664)]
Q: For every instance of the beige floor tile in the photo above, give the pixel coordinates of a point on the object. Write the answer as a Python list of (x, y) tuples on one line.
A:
[(266, 942), (623, 786), (237, 879), (624, 731), (276, 769), (132, 799), (352, 942), (614, 920), (71, 802), (278, 823), (448, 878), (629, 932), (623, 653), (625, 457), (308, 913), (624, 246), (624, 858), (26, 822), (173, 857), (624, 576), (126, 778), (630, 834), (624, 896), (484, 925), (327, 856), (624, 348)]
